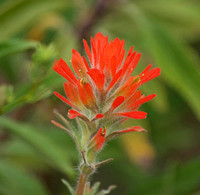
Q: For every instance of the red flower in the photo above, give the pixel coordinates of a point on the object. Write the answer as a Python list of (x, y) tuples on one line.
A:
[(103, 88)]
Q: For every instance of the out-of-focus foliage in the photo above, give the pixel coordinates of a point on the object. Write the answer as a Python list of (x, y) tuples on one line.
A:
[(34, 155)]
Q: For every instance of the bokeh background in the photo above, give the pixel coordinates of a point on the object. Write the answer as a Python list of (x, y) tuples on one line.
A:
[(35, 155)]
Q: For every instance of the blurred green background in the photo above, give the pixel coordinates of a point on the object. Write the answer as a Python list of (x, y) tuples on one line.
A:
[(35, 155)]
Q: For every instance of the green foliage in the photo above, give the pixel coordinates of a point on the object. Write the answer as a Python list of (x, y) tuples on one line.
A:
[(54, 155), (12, 46), (94, 190), (42, 60), (22, 12), (177, 179), (36, 89), (69, 187), (103, 192), (17, 181)]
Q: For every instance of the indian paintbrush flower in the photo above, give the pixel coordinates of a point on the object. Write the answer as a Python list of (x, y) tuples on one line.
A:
[(103, 93)]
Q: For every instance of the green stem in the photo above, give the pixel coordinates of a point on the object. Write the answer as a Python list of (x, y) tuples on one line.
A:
[(81, 184)]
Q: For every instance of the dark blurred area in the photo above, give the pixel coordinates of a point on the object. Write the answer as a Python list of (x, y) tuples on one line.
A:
[(35, 155)]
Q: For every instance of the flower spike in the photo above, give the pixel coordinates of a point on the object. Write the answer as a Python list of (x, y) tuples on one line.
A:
[(102, 91), (105, 79)]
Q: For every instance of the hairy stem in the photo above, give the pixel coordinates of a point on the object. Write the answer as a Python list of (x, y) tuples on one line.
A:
[(81, 184)]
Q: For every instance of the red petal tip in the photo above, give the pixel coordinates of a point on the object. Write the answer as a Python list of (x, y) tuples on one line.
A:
[(135, 114), (73, 114), (118, 101), (137, 128), (64, 99), (98, 116)]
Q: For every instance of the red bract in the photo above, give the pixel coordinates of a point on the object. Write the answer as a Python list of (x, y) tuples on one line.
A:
[(98, 140), (105, 87)]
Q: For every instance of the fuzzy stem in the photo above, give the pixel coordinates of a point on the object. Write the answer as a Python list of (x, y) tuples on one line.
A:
[(81, 184)]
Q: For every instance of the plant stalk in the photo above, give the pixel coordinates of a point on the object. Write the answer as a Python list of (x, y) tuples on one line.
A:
[(81, 184)]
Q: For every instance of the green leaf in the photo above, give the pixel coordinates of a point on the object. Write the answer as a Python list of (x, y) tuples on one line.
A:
[(53, 154), (95, 188), (69, 187), (9, 47), (16, 181), (110, 188)]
